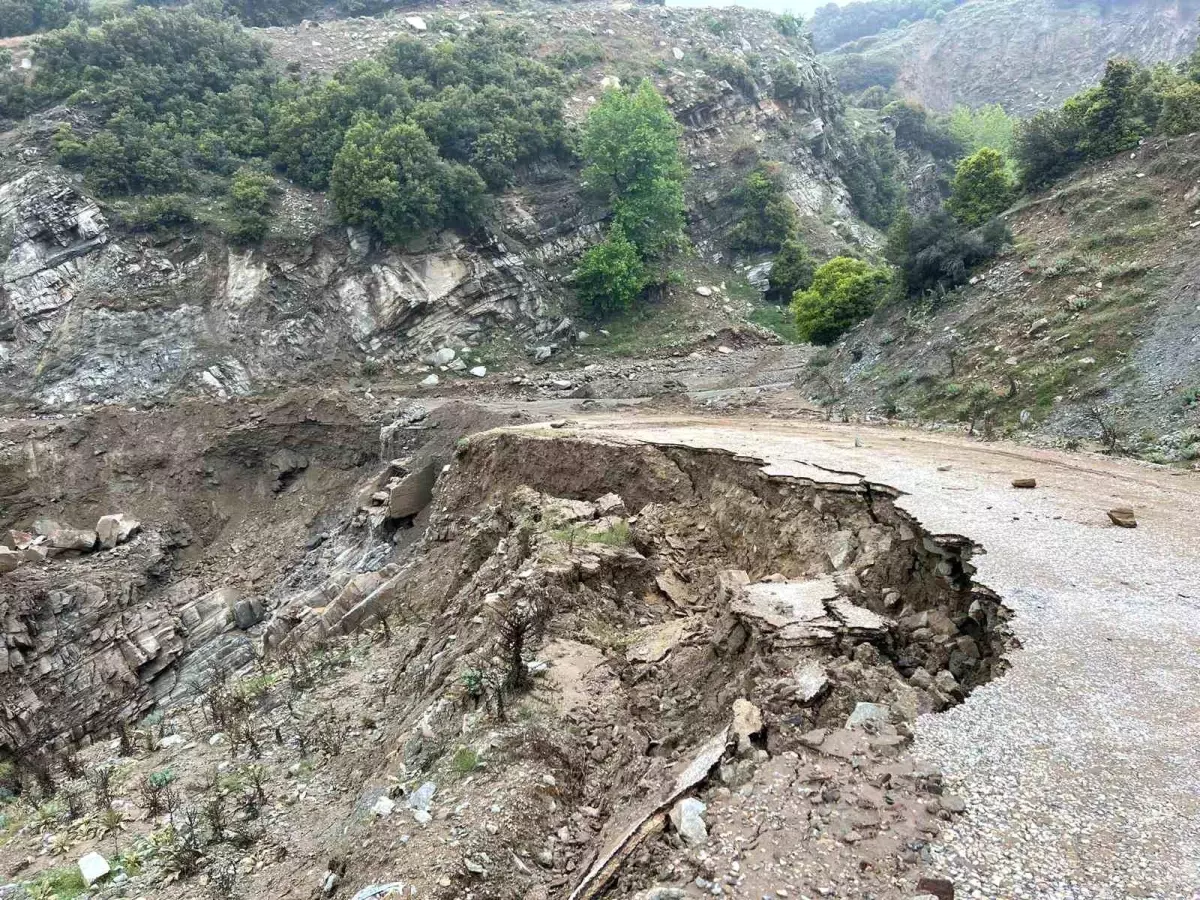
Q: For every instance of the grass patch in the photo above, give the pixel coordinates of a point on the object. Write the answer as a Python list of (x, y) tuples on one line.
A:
[(778, 319), (464, 761), (618, 535), (62, 884)]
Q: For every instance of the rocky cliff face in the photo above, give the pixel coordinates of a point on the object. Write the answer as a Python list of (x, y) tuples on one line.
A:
[(1027, 54), (92, 312)]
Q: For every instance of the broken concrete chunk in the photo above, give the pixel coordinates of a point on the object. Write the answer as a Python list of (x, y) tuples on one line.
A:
[(687, 818), (874, 714), (858, 621), (413, 493), (795, 612), (1123, 517), (747, 722), (93, 867), (116, 529), (811, 682), (652, 643)]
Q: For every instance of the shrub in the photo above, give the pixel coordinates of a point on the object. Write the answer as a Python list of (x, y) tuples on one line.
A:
[(1181, 109), (981, 188), (769, 216), (611, 274), (868, 164), (789, 25), (938, 252), (844, 291), (249, 204), (791, 271), (916, 129)]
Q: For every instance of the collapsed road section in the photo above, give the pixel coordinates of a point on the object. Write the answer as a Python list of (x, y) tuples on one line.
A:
[(573, 668)]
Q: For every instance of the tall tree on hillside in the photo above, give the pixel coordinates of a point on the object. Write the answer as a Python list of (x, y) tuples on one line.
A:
[(981, 189)]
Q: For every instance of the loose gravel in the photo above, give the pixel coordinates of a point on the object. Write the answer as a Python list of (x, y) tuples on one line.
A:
[(1081, 766)]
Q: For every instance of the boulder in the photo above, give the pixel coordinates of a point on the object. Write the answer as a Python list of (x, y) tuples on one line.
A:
[(1123, 517), (64, 537), (16, 540), (479, 371), (93, 867), (874, 713), (442, 357), (687, 816), (116, 529), (416, 23), (430, 381), (10, 559), (413, 493), (747, 722)]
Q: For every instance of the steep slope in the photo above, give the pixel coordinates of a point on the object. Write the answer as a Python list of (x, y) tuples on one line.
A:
[(91, 311), (1022, 54), (1085, 330)]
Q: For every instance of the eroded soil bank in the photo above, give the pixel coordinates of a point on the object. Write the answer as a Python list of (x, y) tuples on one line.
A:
[(603, 668)]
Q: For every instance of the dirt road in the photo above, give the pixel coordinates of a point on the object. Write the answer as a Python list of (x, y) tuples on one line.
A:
[(1081, 765)]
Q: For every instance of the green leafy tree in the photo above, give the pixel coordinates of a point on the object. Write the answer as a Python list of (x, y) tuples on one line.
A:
[(981, 189), (937, 253), (250, 204), (769, 216), (868, 164), (1181, 109), (791, 271), (630, 146), (611, 275), (385, 177), (789, 25), (21, 17), (915, 128), (844, 291), (987, 126)]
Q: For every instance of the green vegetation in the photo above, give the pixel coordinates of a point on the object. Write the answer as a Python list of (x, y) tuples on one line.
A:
[(868, 164), (855, 73), (611, 275), (20, 17), (62, 884), (916, 129), (1127, 105), (769, 216), (937, 253), (791, 271), (789, 25), (250, 204), (189, 106), (982, 188), (465, 761), (988, 126), (844, 291), (633, 167)]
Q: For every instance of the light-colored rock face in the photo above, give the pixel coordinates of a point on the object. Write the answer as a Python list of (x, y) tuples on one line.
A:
[(88, 314)]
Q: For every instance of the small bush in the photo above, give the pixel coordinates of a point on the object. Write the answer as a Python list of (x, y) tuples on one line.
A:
[(791, 271), (844, 291), (611, 276)]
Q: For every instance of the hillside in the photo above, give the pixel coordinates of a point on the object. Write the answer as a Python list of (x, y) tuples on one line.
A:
[(96, 308), (1083, 332), (1022, 54)]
